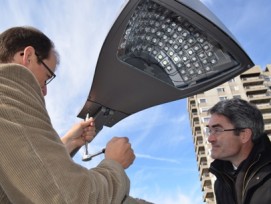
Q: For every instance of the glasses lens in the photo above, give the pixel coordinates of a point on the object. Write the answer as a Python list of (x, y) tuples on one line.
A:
[(213, 131), (49, 80), (49, 70), (208, 131)]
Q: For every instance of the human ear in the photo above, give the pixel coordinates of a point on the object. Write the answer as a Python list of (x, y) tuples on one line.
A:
[(29, 55), (246, 135)]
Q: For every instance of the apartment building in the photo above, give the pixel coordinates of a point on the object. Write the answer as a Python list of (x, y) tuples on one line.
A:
[(253, 85)]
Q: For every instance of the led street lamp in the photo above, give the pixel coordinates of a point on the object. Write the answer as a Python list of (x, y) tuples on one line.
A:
[(159, 51)]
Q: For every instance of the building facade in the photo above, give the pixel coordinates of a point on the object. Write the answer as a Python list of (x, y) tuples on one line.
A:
[(253, 85)]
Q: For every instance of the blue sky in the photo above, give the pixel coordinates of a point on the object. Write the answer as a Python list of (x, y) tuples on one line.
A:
[(165, 170)]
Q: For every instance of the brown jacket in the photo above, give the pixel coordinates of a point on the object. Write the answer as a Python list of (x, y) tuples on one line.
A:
[(35, 166)]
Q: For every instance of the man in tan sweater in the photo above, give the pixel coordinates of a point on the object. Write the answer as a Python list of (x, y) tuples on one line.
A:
[(35, 164)]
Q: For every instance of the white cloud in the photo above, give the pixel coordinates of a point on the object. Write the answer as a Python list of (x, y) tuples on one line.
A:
[(144, 156)]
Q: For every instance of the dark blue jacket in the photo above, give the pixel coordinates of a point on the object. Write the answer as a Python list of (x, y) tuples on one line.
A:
[(250, 183)]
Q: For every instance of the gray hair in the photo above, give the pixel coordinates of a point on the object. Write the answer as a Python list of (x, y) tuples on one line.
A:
[(241, 114)]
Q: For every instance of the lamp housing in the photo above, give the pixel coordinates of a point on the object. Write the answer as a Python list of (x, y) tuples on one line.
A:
[(159, 51)]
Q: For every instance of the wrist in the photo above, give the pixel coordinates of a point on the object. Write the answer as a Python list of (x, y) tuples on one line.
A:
[(69, 144)]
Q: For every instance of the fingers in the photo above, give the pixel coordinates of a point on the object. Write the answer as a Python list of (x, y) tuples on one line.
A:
[(89, 130), (90, 122), (120, 150), (88, 134)]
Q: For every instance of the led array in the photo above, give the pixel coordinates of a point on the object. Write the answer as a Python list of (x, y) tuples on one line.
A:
[(180, 52)]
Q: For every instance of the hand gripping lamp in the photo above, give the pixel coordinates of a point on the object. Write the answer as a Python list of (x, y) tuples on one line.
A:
[(159, 51)]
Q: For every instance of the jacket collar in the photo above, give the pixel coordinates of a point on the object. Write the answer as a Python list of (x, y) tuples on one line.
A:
[(262, 147)]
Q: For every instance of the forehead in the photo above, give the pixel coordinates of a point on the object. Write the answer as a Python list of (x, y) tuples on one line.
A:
[(218, 120)]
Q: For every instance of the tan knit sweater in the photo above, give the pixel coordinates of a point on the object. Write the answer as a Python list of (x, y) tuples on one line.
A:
[(35, 166)]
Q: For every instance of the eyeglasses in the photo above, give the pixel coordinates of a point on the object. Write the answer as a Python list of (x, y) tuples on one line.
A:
[(49, 70), (218, 130)]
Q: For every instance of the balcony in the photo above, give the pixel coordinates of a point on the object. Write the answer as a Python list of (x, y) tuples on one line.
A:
[(194, 119), (208, 194), (204, 177), (256, 89), (194, 115), (197, 139), (264, 107), (267, 116), (200, 151), (196, 126), (202, 160), (204, 172), (193, 106), (267, 128), (251, 81), (259, 98)]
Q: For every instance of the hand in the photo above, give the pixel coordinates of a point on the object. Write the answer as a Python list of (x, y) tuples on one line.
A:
[(79, 134), (119, 149)]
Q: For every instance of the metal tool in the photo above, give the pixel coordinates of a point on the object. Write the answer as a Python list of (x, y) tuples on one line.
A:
[(88, 157)]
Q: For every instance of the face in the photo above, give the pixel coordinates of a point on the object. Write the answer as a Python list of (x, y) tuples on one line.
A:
[(29, 59), (43, 74), (225, 145)]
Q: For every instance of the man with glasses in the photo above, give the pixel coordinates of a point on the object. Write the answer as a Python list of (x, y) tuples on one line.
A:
[(33, 50), (35, 165), (242, 153)]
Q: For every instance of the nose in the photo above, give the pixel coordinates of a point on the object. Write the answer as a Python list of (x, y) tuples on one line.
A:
[(211, 138)]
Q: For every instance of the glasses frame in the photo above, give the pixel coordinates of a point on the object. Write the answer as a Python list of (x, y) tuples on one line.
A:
[(218, 130), (53, 75)]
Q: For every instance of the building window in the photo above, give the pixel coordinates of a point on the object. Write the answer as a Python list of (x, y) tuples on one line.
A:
[(202, 100), (220, 90), (223, 98), (267, 78), (204, 110), (235, 88), (206, 119)]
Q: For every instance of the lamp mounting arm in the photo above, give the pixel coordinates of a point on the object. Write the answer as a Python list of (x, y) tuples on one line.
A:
[(102, 116)]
